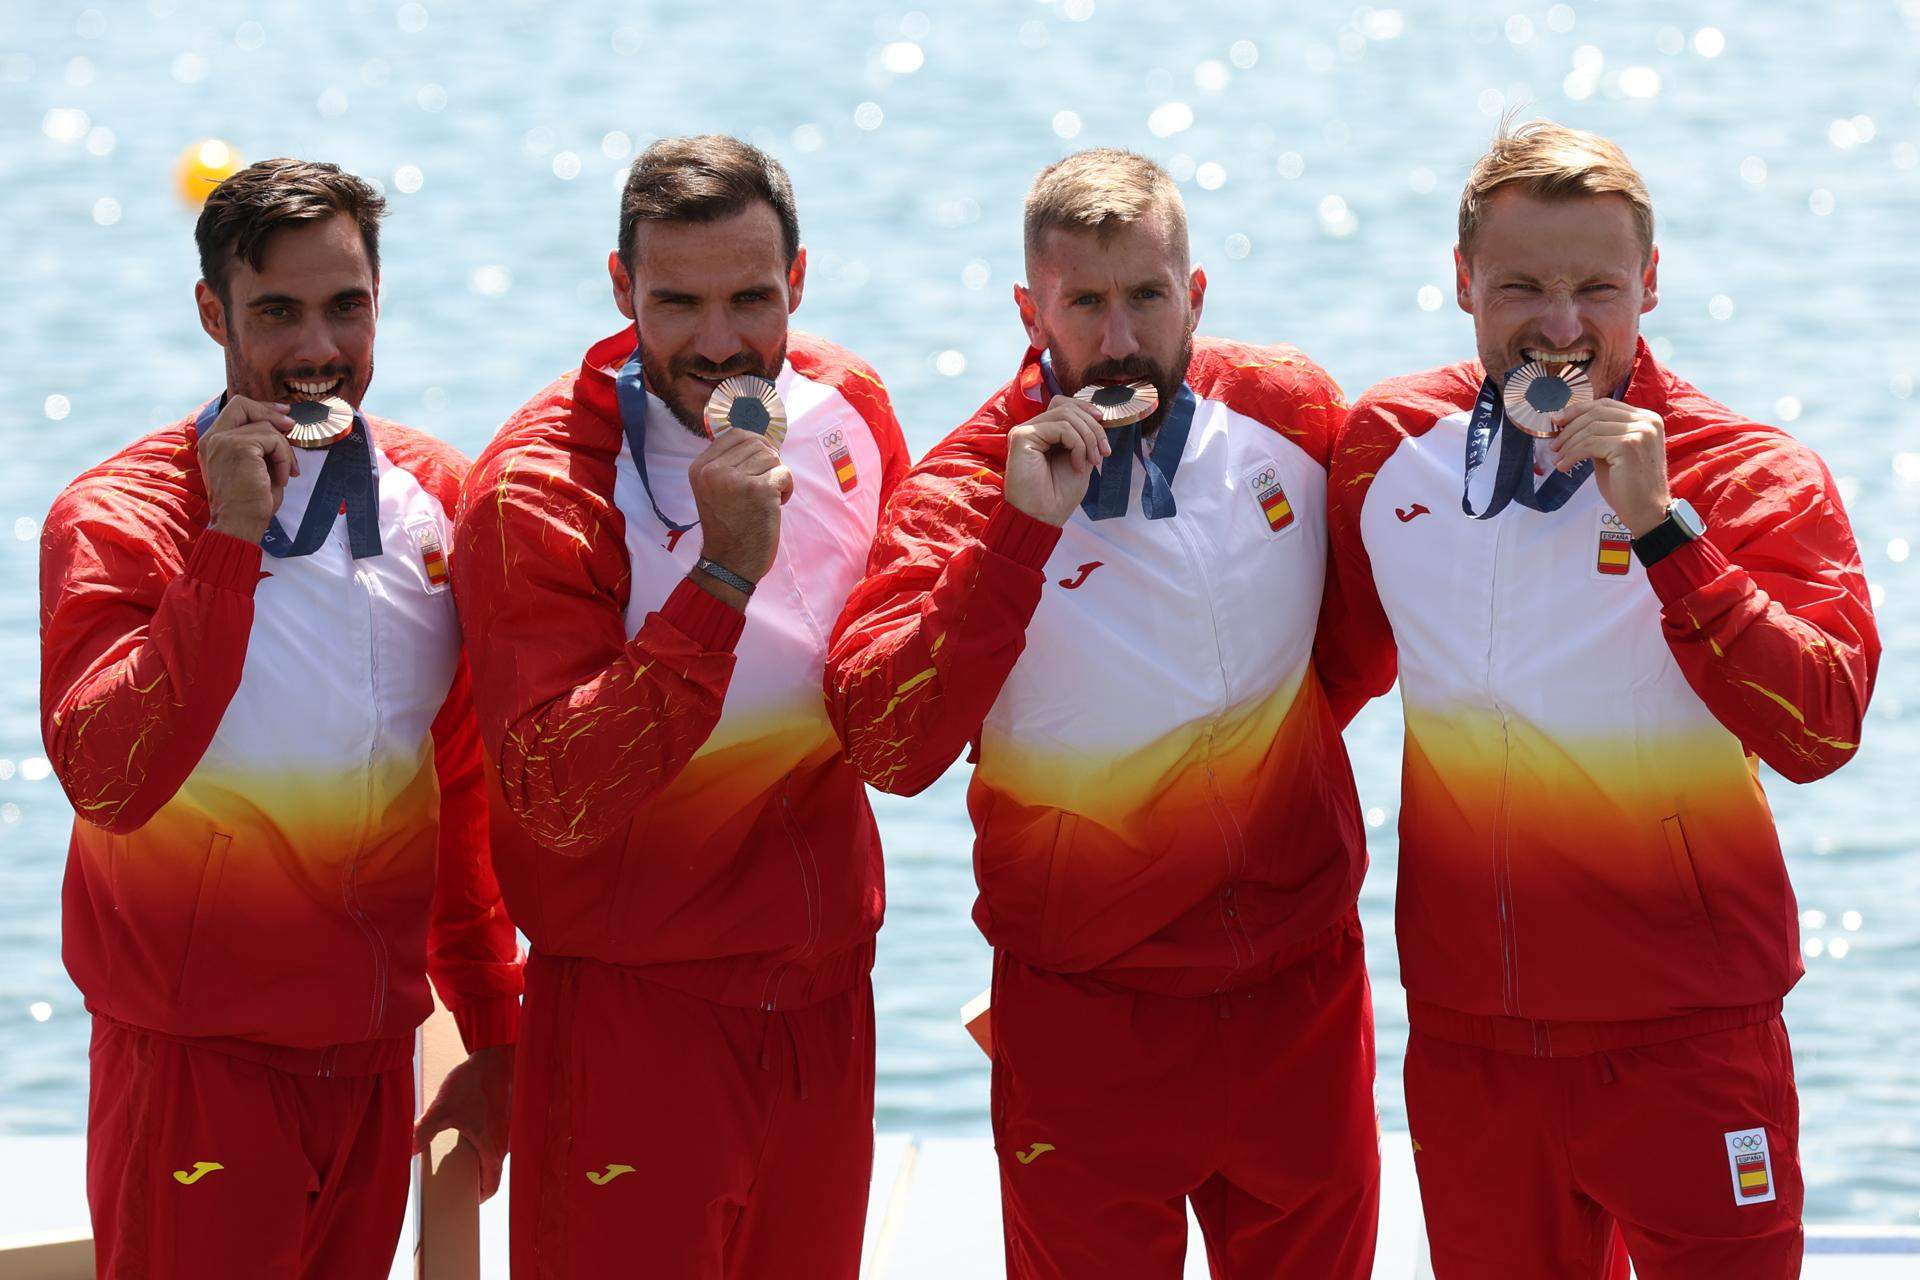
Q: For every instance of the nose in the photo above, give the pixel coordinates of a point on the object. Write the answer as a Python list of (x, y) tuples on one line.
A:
[(1560, 323), (314, 345), (716, 341), (1117, 341)]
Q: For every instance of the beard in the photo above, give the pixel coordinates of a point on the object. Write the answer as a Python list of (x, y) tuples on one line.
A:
[(662, 381), (1138, 367)]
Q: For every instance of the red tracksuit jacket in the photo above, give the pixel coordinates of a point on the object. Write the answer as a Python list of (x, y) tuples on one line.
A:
[(280, 830), (1583, 835), (1162, 797), (660, 805)]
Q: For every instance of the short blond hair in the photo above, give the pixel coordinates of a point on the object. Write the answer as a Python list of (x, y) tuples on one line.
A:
[(1102, 190), (1549, 161)]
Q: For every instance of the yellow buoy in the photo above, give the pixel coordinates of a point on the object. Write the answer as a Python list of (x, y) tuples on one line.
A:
[(202, 167)]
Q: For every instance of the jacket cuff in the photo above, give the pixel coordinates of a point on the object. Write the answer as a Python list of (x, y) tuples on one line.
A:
[(1019, 537), (1685, 570), (222, 560), (485, 1024), (712, 624)]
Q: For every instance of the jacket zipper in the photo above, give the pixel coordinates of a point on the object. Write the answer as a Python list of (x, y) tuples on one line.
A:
[(1502, 826), (1231, 837), (810, 887), (375, 942)]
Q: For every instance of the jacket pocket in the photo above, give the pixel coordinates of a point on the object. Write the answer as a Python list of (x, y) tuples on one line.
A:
[(1680, 855), (1055, 896), (205, 907)]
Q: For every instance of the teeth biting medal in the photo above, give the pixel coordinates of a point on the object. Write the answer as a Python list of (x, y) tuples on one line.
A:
[(1537, 390), (1121, 404), (747, 403), (319, 423)]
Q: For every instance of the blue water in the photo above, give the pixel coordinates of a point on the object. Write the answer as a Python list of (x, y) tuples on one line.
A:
[(1321, 155)]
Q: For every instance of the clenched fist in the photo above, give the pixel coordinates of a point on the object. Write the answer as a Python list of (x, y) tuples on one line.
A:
[(739, 486), (1051, 456), (245, 461)]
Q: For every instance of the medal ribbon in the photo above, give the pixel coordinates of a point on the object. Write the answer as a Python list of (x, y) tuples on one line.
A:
[(1108, 489), (347, 478), (1513, 476), (630, 394)]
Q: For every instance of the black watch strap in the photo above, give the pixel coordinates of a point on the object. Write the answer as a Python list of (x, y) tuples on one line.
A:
[(1661, 541), (720, 573)]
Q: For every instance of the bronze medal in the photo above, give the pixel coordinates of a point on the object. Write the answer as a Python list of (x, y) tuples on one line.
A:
[(747, 403), (319, 423), (1122, 404), (1535, 392)]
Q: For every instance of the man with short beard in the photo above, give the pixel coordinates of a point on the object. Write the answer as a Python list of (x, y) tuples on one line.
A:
[(695, 864), (1611, 598), (281, 831), (1167, 841)]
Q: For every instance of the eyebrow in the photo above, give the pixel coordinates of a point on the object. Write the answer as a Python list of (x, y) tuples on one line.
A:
[(286, 300)]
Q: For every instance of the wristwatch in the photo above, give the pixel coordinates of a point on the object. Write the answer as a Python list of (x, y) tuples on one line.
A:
[(722, 574), (1682, 525)]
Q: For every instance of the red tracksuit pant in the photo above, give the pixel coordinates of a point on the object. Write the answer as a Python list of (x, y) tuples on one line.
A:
[(201, 1165), (1113, 1107), (659, 1134), (1686, 1152)]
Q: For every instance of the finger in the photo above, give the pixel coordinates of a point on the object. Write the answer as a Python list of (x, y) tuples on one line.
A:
[(782, 480), (491, 1162), (279, 455), (1095, 434), (431, 1125)]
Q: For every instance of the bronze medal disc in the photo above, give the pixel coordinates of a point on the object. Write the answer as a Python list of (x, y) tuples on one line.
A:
[(1121, 404), (747, 403), (319, 423), (1535, 392)]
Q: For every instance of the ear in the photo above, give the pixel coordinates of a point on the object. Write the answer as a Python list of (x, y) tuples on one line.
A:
[(1197, 293), (213, 312), (622, 281), (1650, 282), (796, 280), (1030, 316), (1462, 286)]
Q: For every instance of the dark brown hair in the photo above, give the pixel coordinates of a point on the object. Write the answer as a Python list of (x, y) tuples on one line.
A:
[(246, 209), (704, 179)]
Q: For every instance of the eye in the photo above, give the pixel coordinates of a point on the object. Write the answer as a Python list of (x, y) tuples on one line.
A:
[(347, 306), (750, 297), (1086, 300), (1517, 289), (1149, 294), (1600, 290), (276, 312)]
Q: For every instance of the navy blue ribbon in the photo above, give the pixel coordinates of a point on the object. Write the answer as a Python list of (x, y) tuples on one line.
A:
[(1513, 478), (630, 395), (347, 478), (1109, 486)]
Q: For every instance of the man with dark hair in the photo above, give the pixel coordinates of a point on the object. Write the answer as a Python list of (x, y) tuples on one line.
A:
[(1121, 621), (692, 859), (281, 831), (1611, 598)]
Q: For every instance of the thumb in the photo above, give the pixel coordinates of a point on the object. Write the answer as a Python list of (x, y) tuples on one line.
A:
[(432, 1123)]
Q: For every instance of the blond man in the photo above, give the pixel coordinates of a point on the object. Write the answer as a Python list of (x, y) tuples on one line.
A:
[(1122, 620), (1609, 595)]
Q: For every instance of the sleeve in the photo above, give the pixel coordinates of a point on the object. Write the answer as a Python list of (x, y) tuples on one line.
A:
[(1353, 650), (472, 953), (583, 724), (1768, 615), (928, 637), (143, 637)]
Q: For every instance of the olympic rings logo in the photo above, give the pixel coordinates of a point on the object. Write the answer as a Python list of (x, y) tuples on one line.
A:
[(833, 439), (1265, 478), (1749, 1142)]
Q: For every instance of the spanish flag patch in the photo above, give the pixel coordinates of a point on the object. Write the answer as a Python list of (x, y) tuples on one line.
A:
[(1616, 552), (1752, 1166), (433, 556), (840, 460), (1272, 497)]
